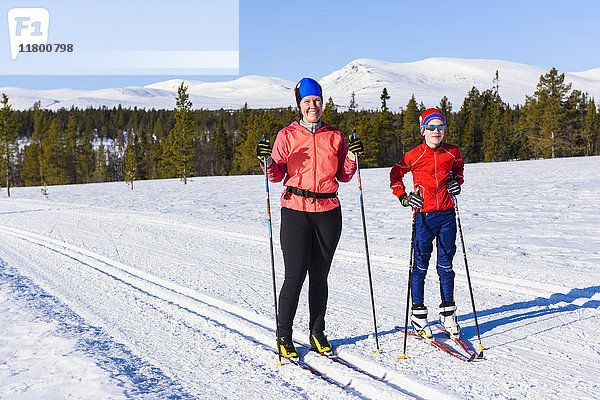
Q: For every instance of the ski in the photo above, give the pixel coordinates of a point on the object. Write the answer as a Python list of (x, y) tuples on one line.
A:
[(439, 345), (464, 345), (304, 365), (335, 358)]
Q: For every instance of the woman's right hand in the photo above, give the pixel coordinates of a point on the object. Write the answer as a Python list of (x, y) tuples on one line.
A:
[(263, 149), (263, 152)]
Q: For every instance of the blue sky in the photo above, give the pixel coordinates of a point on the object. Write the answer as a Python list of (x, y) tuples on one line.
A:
[(292, 39)]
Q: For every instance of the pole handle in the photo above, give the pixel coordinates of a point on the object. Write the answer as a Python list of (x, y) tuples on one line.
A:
[(353, 136)]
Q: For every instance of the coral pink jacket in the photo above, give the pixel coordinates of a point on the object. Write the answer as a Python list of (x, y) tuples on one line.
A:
[(310, 161)]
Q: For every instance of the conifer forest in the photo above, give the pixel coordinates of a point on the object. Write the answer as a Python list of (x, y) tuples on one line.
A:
[(40, 147)]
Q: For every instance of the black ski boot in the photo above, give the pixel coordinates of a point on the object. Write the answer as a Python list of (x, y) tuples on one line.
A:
[(287, 348), (320, 344)]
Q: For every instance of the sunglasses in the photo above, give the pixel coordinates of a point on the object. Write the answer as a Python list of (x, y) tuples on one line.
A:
[(440, 128)]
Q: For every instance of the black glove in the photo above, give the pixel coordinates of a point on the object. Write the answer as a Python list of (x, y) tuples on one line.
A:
[(263, 149), (453, 187), (355, 146), (413, 199)]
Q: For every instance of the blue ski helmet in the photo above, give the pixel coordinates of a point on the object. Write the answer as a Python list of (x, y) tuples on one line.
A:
[(307, 87)]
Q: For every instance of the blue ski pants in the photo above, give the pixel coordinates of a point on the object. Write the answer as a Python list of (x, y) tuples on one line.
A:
[(441, 226)]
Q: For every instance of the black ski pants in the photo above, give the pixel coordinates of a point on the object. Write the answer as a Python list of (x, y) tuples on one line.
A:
[(308, 241)]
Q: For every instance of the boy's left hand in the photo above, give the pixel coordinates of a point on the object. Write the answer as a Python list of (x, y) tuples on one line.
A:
[(453, 187), (414, 200)]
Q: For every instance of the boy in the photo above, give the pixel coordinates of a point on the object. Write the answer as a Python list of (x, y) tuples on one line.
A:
[(437, 171)]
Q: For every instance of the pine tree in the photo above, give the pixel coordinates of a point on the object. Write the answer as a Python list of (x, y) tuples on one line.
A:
[(353, 106), (591, 126), (521, 149), (471, 132), (330, 114), (384, 98), (446, 108), (120, 123), (260, 124), (222, 148), (31, 170), (100, 165), (130, 163), (410, 134), (85, 162), (388, 138), (53, 153), (242, 134), (547, 120), (71, 150), (495, 144), (8, 140), (182, 135), (370, 139)]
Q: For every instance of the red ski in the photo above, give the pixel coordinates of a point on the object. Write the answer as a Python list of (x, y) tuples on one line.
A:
[(445, 348)]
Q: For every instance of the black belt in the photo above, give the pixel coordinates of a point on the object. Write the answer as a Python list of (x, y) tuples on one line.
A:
[(308, 194)]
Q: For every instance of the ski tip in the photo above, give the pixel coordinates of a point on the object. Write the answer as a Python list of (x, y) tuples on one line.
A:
[(472, 357), (402, 357), (480, 356)]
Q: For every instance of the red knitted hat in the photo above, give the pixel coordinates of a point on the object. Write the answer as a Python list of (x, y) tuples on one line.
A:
[(428, 115)]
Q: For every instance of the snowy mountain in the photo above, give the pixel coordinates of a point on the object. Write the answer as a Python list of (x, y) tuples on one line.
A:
[(165, 292), (428, 80), (257, 91)]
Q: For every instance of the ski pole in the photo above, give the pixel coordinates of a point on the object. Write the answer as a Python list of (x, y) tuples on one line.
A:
[(362, 211), (410, 270), (272, 256), (462, 242)]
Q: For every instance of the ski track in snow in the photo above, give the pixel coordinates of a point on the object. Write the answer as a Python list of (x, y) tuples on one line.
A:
[(183, 288), (219, 314), (136, 378)]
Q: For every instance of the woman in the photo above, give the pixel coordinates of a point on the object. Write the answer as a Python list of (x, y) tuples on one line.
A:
[(311, 158)]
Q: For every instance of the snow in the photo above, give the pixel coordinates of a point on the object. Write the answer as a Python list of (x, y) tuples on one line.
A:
[(428, 80), (257, 91), (432, 78), (34, 354), (166, 292)]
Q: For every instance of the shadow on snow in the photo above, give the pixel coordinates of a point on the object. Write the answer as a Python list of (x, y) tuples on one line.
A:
[(531, 310), (493, 317)]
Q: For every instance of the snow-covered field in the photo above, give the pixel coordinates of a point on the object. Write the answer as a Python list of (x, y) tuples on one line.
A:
[(166, 291)]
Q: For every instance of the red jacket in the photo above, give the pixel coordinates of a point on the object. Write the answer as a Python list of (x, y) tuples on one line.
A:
[(310, 161), (431, 170)]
